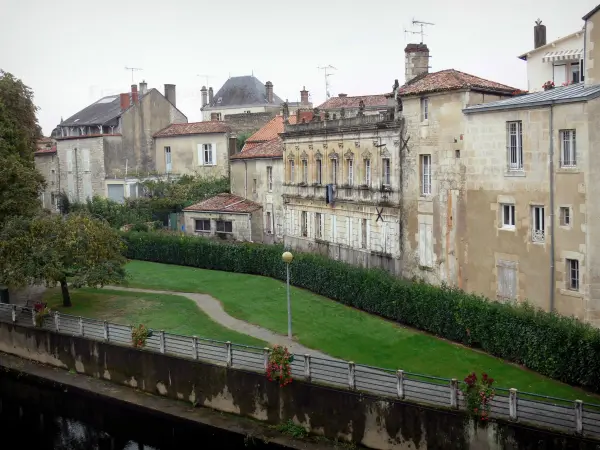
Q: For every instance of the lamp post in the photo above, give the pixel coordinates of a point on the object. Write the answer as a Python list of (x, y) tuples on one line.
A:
[(287, 258)]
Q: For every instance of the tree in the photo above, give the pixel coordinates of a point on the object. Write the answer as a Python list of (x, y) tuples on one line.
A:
[(75, 249), (241, 139)]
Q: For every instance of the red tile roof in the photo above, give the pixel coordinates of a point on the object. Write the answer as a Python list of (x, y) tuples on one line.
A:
[(450, 79), (271, 129), (182, 129), (269, 149), (46, 150), (225, 203), (45, 145), (374, 101)]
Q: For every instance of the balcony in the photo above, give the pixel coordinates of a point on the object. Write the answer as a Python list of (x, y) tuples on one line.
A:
[(344, 193)]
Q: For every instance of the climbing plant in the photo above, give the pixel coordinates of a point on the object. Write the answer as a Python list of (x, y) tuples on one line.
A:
[(278, 368)]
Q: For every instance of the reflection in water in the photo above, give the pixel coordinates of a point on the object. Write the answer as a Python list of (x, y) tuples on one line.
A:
[(46, 418)]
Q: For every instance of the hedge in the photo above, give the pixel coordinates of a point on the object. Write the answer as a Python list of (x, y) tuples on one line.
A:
[(559, 347)]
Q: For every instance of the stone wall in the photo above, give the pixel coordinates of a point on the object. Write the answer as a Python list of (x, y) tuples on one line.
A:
[(47, 165), (242, 123), (334, 413), (242, 225)]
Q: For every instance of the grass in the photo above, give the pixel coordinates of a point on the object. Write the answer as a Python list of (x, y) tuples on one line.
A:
[(341, 331), (171, 313)]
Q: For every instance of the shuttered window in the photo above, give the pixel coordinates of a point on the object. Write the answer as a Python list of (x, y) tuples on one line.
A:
[(507, 280)]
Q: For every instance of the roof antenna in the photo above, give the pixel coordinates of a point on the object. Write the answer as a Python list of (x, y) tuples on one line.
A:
[(133, 69), (420, 24), (327, 75)]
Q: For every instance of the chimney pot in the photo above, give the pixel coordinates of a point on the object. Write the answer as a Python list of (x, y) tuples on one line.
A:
[(304, 96), (342, 95), (269, 91), (143, 88), (204, 93), (210, 95), (416, 61), (539, 34), (125, 102), (170, 94), (135, 99)]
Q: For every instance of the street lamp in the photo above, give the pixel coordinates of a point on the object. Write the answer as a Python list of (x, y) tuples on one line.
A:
[(287, 258)]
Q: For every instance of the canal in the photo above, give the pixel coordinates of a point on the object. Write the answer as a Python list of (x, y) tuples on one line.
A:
[(46, 417)]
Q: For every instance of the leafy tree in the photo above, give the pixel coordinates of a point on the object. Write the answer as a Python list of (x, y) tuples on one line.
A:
[(54, 249), (242, 138), (20, 186)]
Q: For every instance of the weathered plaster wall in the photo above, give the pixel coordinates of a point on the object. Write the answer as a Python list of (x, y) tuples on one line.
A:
[(47, 165), (81, 167), (337, 414), (592, 57), (241, 123), (241, 225)]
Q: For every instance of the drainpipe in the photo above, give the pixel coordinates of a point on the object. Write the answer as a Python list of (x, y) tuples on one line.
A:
[(582, 74), (551, 156), (245, 179)]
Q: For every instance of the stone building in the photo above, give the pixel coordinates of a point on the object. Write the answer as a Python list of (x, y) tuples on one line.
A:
[(201, 148), (343, 106), (591, 30), (46, 162), (105, 148)]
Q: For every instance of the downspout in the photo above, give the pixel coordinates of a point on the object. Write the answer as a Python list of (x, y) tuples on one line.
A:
[(551, 156), (245, 179), (582, 74)]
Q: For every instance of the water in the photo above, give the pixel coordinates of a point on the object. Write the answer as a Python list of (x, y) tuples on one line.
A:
[(46, 417)]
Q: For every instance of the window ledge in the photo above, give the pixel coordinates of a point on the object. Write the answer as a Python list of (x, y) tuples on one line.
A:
[(570, 293), (568, 170), (508, 228), (515, 173)]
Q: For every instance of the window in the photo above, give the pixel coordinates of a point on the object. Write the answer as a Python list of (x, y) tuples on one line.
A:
[(367, 163), (425, 174), (363, 241), (514, 146), (318, 226), (425, 244), (168, 159), (537, 224), (304, 223), (575, 72), (203, 225), (457, 154), (424, 108), (334, 116), (254, 185), (269, 225), (386, 171), (560, 74), (568, 150), (270, 178), (319, 172), (508, 216), (248, 112), (582, 70), (292, 173), (334, 164), (350, 172), (506, 272), (224, 226), (218, 115), (207, 155), (304, 171), (565, 216), (572, 274)]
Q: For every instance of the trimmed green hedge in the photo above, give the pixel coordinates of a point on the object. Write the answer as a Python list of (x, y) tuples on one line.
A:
[(559, 347)]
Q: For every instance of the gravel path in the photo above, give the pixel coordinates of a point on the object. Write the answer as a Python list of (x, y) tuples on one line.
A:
[(213, 308)]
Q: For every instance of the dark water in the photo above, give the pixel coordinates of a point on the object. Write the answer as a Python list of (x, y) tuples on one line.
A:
[(46, 417)]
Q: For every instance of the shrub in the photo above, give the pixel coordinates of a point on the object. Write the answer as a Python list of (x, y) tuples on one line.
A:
[(559, 347), (279, 369), (478, 395), (140, 227)]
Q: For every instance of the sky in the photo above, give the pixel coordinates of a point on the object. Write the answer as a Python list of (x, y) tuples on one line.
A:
[(72, 53)]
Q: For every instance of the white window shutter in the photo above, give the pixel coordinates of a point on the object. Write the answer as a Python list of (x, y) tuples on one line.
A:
[(350, 231), (85, 157), (200, 155), (333, 228), (69, 160), (368, 234), (213, 147), (322, 226)]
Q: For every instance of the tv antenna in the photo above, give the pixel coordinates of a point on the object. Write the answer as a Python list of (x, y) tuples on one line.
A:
[(133, 69), (419, 24), (206, 77), (327, 75)]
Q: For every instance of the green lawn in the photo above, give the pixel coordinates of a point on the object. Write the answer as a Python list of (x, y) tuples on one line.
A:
[(161, 312), (341, 331)]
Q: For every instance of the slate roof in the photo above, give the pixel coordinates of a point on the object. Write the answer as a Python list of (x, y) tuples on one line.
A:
[(242, 91), (564, 94), (591, 13), (102, 112), (449, 80), (374, 101), (182, 129), (268, 149), (226, 203)]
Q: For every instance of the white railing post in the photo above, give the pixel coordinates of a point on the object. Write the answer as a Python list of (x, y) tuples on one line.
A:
[(80, 326), (307, 367), (106, 336), (229, 359), (512, 404), (266, 358), (400, 383), (454, 393), (351, 375), (33, 316), (195, 346), (579, 416), (14, 313), (57, 321), (161, 335)]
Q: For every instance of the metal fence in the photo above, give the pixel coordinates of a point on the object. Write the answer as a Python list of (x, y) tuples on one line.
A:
[(549, 412)]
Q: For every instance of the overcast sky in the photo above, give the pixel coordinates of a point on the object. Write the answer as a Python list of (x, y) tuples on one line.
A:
[(71, 53)]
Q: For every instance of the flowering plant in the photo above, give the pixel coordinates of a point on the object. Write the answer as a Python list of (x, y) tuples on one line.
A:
[(139, 335), (278, 368), (567, 83), (478, 394), (519, 92), (41, 312), (548, 85)]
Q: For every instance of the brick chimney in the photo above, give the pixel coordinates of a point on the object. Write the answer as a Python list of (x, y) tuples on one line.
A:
[(210, 95), (143, 88), (170, 94), (269, 91), (204, 93), (416, 61), (539, 34), (342, 95), (125, 102), (304, 96), (135, 99)]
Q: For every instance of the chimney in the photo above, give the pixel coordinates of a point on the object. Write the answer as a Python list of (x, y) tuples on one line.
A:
[(214, 116), (342, 95), (210, 96), (269, 91), (539, 34), (170, 94), (143, 88), (416, 61), (135, 99), (204, 93), (304, 96), (125, 101)]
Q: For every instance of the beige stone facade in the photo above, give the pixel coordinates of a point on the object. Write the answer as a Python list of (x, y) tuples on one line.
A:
[(592, 51), (47, 165)]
